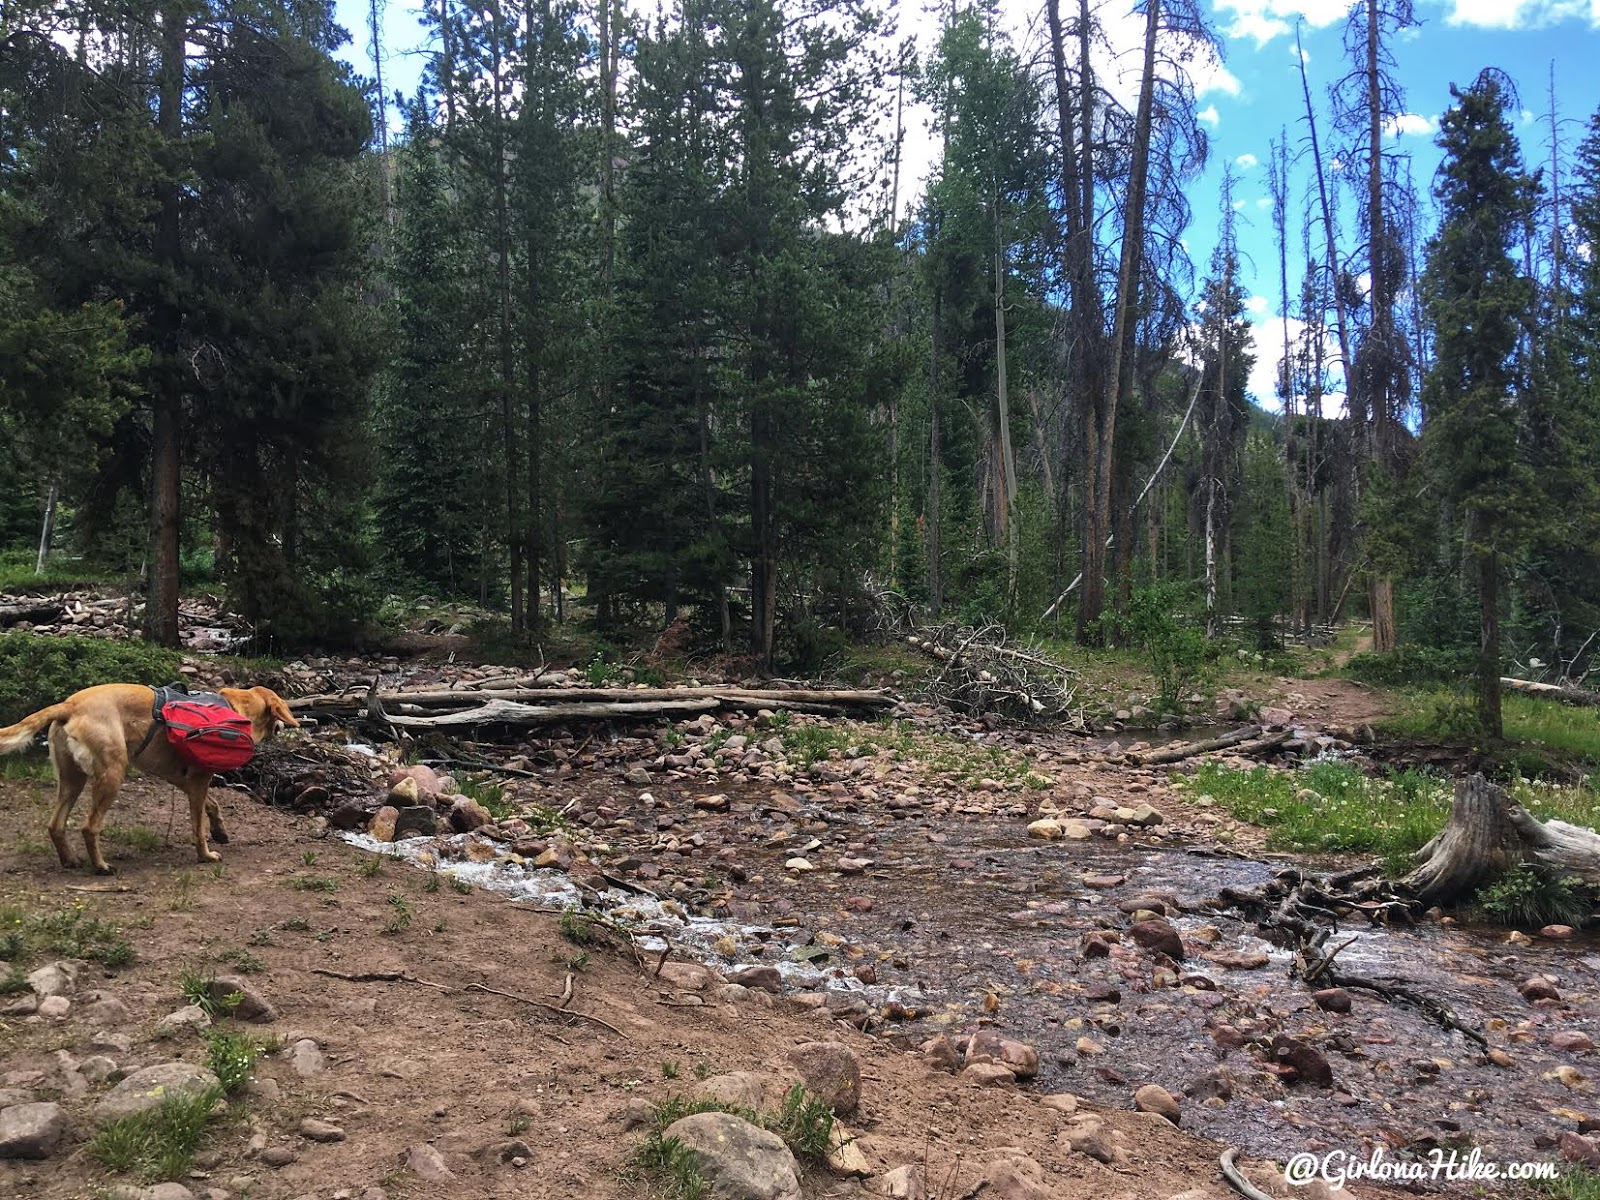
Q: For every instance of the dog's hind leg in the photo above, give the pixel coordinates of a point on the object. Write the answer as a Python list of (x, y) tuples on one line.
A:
[(219, 835), (103, 788), (70, 778), (202, 807)]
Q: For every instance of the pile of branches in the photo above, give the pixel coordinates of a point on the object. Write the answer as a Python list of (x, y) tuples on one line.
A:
[(981, 672), (306, 775)]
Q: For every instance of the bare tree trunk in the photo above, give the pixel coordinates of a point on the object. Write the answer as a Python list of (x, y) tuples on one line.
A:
[(1489, 644), (935, 453), (1385, 419), (1119, 381), (1008, 462), (46, 530), (709, 486), (166, 434), (508, 406)]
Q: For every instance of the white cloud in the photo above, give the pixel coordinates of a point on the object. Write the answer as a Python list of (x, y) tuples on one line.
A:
[(1266, 343), (1264, 202), (1245, 161), (1521, 14), (1414, 124), (1238, 205), (1264, 20), (1527, 116), (1209, 115), (1257, 305)]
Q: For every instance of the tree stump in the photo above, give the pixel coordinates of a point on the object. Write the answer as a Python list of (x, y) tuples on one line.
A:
[(1489, 834)]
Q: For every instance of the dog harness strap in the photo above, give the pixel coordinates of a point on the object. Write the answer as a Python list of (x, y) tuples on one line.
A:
[(161, 698)]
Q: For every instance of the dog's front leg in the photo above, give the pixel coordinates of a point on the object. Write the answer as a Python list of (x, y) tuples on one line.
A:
[(197, 792), (219, 835)]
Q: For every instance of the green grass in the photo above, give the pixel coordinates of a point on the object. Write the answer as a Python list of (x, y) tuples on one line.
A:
[(1332, 807), (805, 744), (487, 793), (140, 838), (1560, 730), (61, 571), (69, 932), (242, 960), (196, 989), (318, 883), (1574, 1183), (803, 1121), (159, 1144)]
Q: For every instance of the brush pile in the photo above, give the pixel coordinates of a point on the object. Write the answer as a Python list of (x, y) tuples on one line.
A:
[(981, 672)]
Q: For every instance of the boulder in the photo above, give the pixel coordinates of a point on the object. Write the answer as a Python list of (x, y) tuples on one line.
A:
[(1539, 988), (191, 1017), (939, 1052), (989, 1046), (1016, 1177), (54, 979), (1152, 1098), (419, 820), (738, 1089), (1158, 935), (989, 1074), (831, 1071), (1334, 1000), (1091, 1136), (250, 1006), (381, 828), (466, 815), (31, 1130), (902, 1183), (1310, 1065), (738, 1160), (427, 1164), (150, 1087)]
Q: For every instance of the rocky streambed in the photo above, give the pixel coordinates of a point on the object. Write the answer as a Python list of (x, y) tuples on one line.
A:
[(919, 903)]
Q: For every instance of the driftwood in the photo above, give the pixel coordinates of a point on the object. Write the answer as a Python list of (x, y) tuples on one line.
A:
[(353, 703), (981, 673), (1181, 751), (1581, 697), (507, 712), (1488, 834), (1300, 910), (38, 614)]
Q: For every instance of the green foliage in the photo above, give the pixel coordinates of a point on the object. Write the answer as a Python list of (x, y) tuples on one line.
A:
[(1531, 897), (399, 914), (69, 933), (199, 990), (242, 960), (159, 1144), (1408, 665), (1332, 807), (37, 671), (673, 1166), (1178, 652), (320, 883), (231, 1057), (805, 1123), (576, 927), (1543, 725)]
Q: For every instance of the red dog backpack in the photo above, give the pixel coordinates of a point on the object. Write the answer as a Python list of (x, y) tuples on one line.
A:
[(207, 733)]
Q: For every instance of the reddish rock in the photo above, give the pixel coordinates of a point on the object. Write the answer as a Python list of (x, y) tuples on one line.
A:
[(988, 1046), (1558, 932), (1576, 1148), (1310, 1066), (1537, 988), (762, 979), (1571, 1039), (1152, 1098), (939, 1052), (1158, 936), (1098, 944), (1335, 1000), (830, 1071)]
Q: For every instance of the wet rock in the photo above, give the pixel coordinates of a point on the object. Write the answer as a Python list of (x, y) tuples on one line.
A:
[(761, 979), (637, 777), (717, 803), (383, 821), (1046, 830), (831, 1071), (1576, 1148), (405, 793), (31, 1130), (189, 1018), (1236, 960), (989, 1074), (314, 1130), (1500, 1058), (1076, 831), (466, 815), (1335, 1000), (939, 1052), (150, 1087), (1571, 1040), (54, 979), (1559, 933), (738, 1160), (1310, 1066), (250, 1004), (352, 815), (1015, 1177), (1145, 816), (988, 1046), (419, 820), (1101, 992), (858, 904), (1158, 936), (1088, 1047), (902, 1183), (1538, 988), (427, 1164), (1152, 1098), (1098, 944), (1216, 1084)]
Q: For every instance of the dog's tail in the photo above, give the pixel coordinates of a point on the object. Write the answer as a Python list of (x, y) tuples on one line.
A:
[(16, 737)]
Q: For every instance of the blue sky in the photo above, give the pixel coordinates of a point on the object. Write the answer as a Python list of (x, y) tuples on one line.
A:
[(1253, 93)]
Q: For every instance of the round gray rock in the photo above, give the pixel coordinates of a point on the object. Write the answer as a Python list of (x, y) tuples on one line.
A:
[(151, 1087), (738, 1160), (31, 1130), (830, 1071)]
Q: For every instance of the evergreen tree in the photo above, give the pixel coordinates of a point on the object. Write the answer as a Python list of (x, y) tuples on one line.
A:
[(1477, 302)]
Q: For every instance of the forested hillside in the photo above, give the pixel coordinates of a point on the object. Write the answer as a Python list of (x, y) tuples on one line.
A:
[(636, 321)]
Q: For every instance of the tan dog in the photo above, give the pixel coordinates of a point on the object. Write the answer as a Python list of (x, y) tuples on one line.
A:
[(96, 734)]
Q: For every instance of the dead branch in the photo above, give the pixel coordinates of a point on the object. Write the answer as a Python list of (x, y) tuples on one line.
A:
[(1581, 697), (379, 977), (347, 704), (1236, 1180), (550, 1008), (1177, 753)]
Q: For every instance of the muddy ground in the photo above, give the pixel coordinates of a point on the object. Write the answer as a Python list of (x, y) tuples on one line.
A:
[(924, 907)]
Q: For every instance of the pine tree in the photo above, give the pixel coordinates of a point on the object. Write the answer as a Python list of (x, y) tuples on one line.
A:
[(1477, 301)]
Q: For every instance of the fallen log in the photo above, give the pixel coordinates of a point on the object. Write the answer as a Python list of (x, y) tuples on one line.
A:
[(506, 712), (1177, 753), (38, 614), (355, 702), (1488, 834), (1581, 697)]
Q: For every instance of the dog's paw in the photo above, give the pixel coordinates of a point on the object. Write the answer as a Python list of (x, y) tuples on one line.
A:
[(210, 856), (105, 869), (219, 835)]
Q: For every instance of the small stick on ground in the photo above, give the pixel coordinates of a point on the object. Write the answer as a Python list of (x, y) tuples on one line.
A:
[(380, 977), (1239, 1183), (562, 1012)]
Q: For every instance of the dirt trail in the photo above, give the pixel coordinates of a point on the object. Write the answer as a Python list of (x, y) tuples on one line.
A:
[(489, 1082)]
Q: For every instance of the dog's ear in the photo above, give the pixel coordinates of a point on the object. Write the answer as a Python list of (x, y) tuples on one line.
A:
[(274, 704)]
